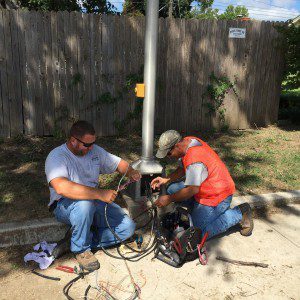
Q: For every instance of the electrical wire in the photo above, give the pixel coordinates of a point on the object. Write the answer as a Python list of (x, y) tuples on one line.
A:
[(255, 8), (68, 286), (122, 178), (140, 253), (246, 5), (273, 5)]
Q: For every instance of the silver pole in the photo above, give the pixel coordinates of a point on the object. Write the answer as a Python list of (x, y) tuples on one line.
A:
[(150, 77)]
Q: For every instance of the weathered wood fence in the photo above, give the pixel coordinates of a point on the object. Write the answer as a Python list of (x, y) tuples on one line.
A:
[(58, 67)]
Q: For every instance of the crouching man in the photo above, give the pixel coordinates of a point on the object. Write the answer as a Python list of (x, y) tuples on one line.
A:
[(208, 187), (72, 171)]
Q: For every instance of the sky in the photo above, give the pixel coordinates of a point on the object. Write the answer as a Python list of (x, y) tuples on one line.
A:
[(270, 10)]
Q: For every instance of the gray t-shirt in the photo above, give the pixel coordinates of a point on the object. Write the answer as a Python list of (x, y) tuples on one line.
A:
[(195, 173), (61, 162)]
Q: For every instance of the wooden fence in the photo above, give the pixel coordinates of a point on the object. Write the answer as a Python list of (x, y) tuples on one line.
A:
[(58, 67)]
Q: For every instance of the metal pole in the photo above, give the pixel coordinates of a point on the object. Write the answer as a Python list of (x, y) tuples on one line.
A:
[(150, 77)]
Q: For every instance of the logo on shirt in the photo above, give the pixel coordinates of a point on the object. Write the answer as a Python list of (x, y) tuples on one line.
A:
[(95, 158)]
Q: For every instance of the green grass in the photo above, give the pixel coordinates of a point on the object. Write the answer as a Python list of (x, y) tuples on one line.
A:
[(260, 161)]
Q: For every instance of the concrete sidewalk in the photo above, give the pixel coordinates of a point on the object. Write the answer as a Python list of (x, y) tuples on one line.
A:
[(34, 231), (275, 241)]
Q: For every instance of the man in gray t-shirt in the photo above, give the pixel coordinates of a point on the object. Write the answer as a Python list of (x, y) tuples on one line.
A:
[(72, 172)]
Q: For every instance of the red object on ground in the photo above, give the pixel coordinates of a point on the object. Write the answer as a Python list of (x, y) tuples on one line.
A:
[(65, 269)]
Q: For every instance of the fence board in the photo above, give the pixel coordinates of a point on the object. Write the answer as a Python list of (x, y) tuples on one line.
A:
[(41, 84), (170, 76), (235, 110), (201, 72), (132, 33), (22, 65), (63, 62), (79, 101), (98, 82), (54, 71), (176, 66), (90, 67), (195, 101), (160, 108), (139, 59), (93, 67), (68, 43), (184, 83), (117, 72), (278, 58), (32, 75), (38, 68), (14, 79), (46, 76), (189, 107), (106, 50), (4, 119), (74, 77), (61, 113), (245, 108), (8, 67)]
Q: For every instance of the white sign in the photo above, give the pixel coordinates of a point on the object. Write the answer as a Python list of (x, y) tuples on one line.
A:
[(237, 33)]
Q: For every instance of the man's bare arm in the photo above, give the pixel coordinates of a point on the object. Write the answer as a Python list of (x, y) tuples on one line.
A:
[(181, 195), (158, 181), (76, 191), (124, 167), (185, 193)]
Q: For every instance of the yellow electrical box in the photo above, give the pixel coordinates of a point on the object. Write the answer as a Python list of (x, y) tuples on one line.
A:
[(140, 90)]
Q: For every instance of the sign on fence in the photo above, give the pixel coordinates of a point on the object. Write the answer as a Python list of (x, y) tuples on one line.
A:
[(237, 33)]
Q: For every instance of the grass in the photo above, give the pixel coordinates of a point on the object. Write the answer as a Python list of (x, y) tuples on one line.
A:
[(260, 161)]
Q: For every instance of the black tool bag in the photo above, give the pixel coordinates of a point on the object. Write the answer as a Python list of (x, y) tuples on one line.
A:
[(178, 238)]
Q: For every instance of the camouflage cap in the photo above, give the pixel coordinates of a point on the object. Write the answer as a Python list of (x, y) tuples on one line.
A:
[(166, 141)]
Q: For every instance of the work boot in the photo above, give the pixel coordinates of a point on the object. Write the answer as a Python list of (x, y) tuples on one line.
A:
[(88, 261), (247, 221)]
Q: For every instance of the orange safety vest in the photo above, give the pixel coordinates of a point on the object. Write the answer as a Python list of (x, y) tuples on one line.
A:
[(218, 185)]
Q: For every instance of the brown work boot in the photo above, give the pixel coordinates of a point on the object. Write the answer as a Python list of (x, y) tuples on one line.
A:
[(87, 261), (247, 221)]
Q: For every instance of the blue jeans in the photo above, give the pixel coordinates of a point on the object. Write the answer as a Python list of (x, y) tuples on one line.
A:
[(211, 219), (82, 214)]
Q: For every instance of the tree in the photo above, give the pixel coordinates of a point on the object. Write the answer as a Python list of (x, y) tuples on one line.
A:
[(204, 10), (134, 8), (233, 13), (291, 45), (50, 5), (89, 6), (209, 13), (9, 4), (99, 6), (138, 8)]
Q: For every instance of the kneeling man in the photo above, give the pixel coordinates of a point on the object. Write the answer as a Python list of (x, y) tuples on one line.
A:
[(208, 187)]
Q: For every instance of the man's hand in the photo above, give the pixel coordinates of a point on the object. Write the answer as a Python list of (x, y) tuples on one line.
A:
[(134, 175), (108, 196), (158, 181), (163, 201)]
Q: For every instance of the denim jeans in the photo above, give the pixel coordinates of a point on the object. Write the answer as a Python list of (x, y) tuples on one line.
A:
[(211, 219), (82, 214)]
